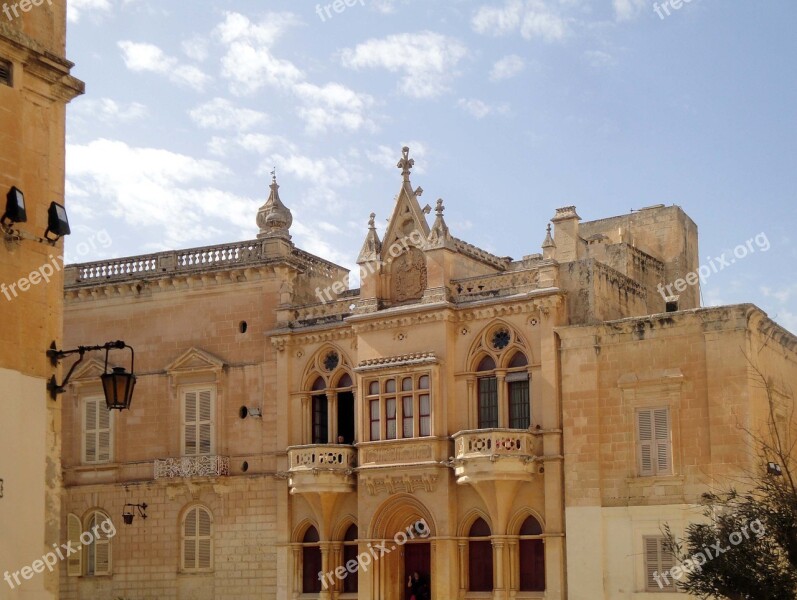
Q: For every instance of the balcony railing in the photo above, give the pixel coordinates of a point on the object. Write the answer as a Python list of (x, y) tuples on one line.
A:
[(192, 466), (322, 468), (492, 454)]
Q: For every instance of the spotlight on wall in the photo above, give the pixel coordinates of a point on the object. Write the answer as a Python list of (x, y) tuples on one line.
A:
[(57, 223), (774, 469), (15, 207), (128, 514), (244, 412)]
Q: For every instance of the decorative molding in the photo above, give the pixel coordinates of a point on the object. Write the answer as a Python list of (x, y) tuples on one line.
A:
[(192, 466), (195, 360), (396, 484), (404, 360)]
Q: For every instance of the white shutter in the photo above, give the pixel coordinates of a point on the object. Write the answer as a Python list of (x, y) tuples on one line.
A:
[(74, 562), (658, 562), (90, 430), (661, 417), (100, 548), (189, 539), (197, 540), (205, 422), (651, 563), (645, 444), (103, 432), (198, 425), (190, 426), (203, 540)]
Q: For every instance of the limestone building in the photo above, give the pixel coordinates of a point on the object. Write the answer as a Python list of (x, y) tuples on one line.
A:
[(35, 86), (506, 428)]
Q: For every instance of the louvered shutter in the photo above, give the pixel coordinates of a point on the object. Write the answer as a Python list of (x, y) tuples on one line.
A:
[(74, 562), (203, 540), (90, 431), (102, 546), (651, 562), (190, 427), (645, 437), (103, 432), (661, 418), (205, 423), (197, 540), (658, 561)]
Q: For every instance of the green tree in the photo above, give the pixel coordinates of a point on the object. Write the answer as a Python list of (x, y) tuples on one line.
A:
[(747, 547)]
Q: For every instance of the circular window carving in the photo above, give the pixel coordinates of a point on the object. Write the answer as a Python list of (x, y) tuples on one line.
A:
[(331, 361), (501, 339)]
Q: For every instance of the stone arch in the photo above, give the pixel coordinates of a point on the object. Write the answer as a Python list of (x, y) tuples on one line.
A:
[(470, 518), (397, 514), (343, 525), (314, 368), (517, 520), (482, 346), (301, 529)]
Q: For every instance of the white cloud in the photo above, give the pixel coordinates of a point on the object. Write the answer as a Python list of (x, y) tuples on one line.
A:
[(249, 64), (480, 109), (196, 48), (628, 9), (75, 8), (599, 58), (534, 19), (220, 113), (108, 110), (154, 188), (427, 60), (148, 58), (507, 67)]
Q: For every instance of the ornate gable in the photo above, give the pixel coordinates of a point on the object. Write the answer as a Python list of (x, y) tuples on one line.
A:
[(195, 360)]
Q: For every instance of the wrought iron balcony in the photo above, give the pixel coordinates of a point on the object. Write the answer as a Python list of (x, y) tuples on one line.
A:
[(322, 468), (192, 466), (496, 454)]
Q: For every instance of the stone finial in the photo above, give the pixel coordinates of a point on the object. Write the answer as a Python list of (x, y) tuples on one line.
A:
[(406, 163), (372, 247), (440, 236), (274, 218), (548, 245)]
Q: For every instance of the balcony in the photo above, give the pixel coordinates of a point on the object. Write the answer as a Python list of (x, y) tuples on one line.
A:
[(322, 468), (192, 466), (496, 454)]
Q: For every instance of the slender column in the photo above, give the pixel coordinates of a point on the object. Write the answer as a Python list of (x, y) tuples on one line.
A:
[(498, 553), (503, 403), (463, 567), (296, 588), (307, 420), (473, 404), (514, 574), (325, 593), (332, 417)]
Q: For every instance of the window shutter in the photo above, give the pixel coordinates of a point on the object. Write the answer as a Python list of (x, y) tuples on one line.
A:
[(6, 70), (74, 562), (645, 437), (103, 432), (90, 431), (203, 540), (102, 546), (651, 562), (189, 540), (190, 423), (205, 423), (663, 451)]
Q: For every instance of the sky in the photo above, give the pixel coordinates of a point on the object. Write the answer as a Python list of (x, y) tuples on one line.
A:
[(511, 109)]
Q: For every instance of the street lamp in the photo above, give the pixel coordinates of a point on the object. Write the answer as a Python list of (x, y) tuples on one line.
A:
[(117, 385), (128, 515)]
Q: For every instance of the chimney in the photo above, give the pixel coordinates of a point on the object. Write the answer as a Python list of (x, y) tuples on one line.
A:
[(566, 234)]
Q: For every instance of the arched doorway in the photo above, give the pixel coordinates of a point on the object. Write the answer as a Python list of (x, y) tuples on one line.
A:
[(405, 528)]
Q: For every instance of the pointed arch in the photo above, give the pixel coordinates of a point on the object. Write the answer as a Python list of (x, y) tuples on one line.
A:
[(483, 345), (397, 514), (519, 518), (339, 531), (470, 518), (301, 530)]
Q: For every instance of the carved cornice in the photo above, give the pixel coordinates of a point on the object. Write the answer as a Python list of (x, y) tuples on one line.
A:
[(404, 360), (285, 338)]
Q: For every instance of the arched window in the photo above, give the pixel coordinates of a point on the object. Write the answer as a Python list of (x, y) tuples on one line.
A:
[(96, 542), (532, 557), (311, 562), (320, 413), (488, 394), (197, 540), (350, 560), (480, 557), (515, 391)]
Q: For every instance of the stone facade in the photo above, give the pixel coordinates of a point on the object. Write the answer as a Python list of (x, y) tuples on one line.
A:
[(35, 86), (475, 417)]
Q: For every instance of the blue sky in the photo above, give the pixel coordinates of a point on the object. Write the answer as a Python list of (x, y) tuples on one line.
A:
[(511, 108)]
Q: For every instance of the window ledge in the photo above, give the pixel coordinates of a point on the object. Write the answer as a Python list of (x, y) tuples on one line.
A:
[(648, 480), (93, 467)]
